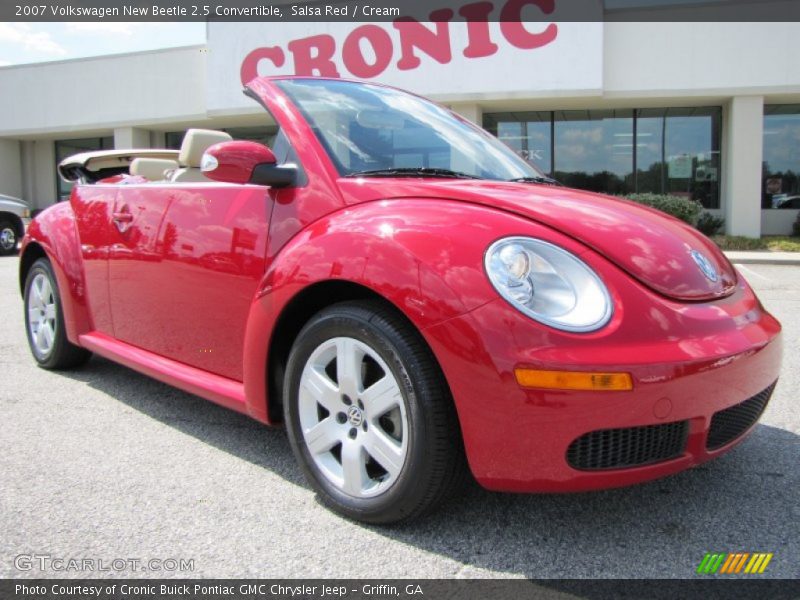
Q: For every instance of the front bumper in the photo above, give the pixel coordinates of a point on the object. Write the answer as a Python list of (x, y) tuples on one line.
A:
[(688, 362)]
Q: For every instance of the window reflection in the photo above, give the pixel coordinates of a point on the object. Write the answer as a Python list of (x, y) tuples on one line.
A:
[(677, 153), (529, 134), (663, 150), (781, 173), (594, 150)]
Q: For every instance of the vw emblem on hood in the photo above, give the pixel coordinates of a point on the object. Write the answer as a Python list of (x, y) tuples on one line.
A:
[(705, 265)]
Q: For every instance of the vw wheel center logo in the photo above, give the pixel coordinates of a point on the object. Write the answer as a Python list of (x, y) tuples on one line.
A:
[(705, 265), (355, 416)]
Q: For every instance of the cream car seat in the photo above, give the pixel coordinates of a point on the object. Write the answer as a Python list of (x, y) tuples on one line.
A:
[(154, 169), (195, 143)]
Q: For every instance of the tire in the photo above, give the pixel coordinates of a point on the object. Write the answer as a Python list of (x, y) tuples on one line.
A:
[(8, 238), (383, 445), (44, 321)]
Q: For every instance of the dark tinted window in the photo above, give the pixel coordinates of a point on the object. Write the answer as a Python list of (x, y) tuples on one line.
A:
[(263, 135), (594, 150), (663, 150), (781, 181), (65, 148), (529, 134), (677, 152)]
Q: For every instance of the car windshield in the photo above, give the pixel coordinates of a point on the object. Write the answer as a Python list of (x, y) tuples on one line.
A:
[(378, 131)]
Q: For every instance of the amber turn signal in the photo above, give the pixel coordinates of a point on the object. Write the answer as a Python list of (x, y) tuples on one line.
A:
[(573, 380)]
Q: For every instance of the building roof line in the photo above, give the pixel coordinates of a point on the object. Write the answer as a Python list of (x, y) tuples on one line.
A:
[(103, 56)]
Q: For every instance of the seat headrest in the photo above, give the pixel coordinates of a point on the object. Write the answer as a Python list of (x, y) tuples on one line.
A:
[(152, 168), (196, 142)]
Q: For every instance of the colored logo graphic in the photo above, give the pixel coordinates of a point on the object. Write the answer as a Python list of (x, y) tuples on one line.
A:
[(736, 563), (705, 265)]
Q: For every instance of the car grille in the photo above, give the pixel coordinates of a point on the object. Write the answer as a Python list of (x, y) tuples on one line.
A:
[(627, 447), (731, 423)]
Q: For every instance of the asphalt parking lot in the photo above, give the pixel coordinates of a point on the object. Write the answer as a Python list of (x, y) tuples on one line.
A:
[(104, 463)]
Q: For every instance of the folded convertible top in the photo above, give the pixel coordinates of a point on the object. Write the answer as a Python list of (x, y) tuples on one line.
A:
[(89, 167)]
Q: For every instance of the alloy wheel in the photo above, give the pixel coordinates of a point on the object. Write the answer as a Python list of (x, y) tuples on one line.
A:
[(353, 417), (42, 314)]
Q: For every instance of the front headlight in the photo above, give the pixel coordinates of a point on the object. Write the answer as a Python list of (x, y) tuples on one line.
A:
[(548, 284)]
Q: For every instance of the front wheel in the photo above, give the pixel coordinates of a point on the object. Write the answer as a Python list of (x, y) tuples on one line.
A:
[(369, 416), (44, 321)]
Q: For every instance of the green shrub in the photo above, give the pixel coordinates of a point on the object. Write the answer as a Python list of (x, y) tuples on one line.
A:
[(709, 224), (680, 208)]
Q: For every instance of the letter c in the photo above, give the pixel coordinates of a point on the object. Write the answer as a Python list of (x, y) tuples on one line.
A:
[(249, 70), (515, 32)]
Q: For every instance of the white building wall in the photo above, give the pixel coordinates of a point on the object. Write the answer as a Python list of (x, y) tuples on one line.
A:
[(38, 162), (700, 59), (45, 192), (473, 112), (102, 93), (10, 168), (131, 137), (743, 157), (158, 139), (778, 222)]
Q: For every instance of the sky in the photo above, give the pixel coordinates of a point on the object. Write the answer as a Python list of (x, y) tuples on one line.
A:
[(22, 43)]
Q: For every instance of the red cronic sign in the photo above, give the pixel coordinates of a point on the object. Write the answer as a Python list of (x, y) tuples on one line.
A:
[(318, 54)]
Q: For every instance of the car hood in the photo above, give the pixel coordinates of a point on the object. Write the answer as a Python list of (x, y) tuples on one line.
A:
[(656, 249), (12, 200)]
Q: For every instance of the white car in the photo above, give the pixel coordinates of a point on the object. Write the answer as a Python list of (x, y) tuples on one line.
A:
[(15, 215), (789, 202)]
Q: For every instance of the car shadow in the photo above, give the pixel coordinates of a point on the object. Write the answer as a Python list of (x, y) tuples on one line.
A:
[(741, 502), (225, 429)]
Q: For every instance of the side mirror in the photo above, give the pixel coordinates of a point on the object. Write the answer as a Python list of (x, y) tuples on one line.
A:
[(245, 162)]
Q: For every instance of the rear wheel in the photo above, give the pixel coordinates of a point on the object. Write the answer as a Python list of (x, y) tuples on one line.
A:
[(369, 416), (44, 321), (8, 238)]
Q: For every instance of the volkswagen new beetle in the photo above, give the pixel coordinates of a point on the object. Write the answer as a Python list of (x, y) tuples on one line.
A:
[(411, 299)]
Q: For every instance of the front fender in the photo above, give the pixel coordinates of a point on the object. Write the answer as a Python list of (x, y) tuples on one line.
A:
[(423, 256), (54, 231)]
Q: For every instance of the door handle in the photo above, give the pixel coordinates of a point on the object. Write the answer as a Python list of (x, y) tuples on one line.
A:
[(122, 220)]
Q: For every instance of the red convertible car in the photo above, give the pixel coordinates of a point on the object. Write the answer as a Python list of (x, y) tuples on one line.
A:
[(409, 297)]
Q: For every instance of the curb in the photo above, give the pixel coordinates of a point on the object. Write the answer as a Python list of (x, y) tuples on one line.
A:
[(764, 260)]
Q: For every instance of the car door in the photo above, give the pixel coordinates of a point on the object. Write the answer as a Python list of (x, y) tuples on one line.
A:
[(186, 267), (93, 206)]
